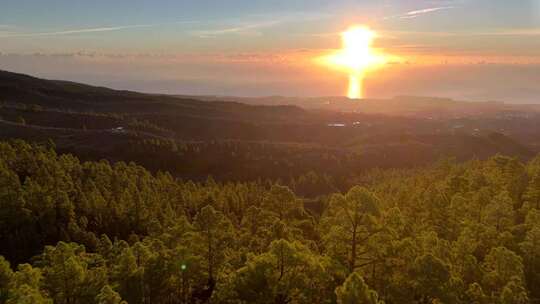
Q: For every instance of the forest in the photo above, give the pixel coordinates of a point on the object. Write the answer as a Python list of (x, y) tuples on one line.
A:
[(76, 231)]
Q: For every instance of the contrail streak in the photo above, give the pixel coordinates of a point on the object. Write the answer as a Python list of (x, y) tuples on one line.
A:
[(91, 30)]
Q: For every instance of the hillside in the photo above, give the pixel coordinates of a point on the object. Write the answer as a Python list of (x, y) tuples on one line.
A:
[(234, 141), (27, 90)]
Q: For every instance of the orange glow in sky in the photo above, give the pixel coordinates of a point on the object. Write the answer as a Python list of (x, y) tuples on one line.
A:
[(356, 58)]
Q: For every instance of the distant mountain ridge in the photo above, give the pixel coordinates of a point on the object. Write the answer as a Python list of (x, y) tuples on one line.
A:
[(413, 106)]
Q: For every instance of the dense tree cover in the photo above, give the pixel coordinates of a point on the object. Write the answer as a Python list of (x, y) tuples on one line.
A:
[(309, 169), (96, 232), (38, 115), (193, 139)]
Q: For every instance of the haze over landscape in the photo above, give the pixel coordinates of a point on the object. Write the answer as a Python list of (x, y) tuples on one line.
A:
[(472, 50), (270, 152)]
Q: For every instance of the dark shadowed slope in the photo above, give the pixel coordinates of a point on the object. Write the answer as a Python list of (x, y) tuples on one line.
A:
[(23, 89)]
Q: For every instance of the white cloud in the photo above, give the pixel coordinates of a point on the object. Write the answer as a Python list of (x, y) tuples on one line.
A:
[(511, 32), (245, 29), (86, 30), (254, 23), (525, 32), (428, 10), (420, 12)]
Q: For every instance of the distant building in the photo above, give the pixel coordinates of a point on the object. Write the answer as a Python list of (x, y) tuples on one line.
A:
[(118, 130), (364, 124)]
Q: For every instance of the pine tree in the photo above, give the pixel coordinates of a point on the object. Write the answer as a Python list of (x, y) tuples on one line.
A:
[(108, 296), (356, 291)]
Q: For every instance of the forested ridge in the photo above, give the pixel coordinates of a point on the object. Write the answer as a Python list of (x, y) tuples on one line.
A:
[(95, 232), (319, 145)]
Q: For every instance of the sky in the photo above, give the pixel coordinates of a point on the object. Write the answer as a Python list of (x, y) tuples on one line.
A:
[(465, 49)]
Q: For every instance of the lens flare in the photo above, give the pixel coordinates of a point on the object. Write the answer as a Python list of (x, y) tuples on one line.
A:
[(356, 58), (355, 86)]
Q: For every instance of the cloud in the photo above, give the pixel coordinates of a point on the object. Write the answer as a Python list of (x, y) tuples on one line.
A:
[(510, 32), (6, 29), (524, 32), (428, 10), (88, 30), (254, 23), (420, 12), (251, 29), (296, 57)]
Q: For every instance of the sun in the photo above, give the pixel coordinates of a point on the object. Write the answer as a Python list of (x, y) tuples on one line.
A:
[(356, 58), (356, 54)]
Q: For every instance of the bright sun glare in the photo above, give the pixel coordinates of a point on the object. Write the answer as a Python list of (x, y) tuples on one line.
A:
[(356, 58)]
